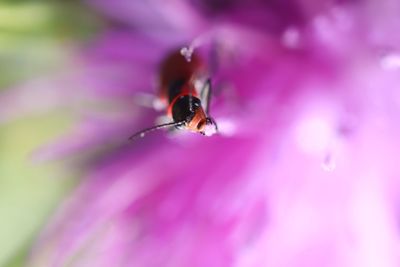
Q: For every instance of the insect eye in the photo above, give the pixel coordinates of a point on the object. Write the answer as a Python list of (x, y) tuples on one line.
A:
[(200, 125)]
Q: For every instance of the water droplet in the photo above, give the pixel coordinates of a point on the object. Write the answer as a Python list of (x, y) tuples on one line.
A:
[(142, 135), (187, 53), (329, 163)]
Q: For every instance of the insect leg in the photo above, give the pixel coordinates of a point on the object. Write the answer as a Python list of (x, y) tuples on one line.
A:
[(149, 101), (205, 95)]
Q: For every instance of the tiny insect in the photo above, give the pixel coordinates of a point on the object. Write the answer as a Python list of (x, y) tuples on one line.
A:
[(185, 96)]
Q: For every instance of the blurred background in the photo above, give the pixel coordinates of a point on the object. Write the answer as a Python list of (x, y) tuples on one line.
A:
[(36, 40)]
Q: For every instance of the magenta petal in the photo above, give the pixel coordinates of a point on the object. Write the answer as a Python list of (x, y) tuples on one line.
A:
[(305, 170)]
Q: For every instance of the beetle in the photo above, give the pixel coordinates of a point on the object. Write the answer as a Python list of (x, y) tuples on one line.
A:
[(185, 95)]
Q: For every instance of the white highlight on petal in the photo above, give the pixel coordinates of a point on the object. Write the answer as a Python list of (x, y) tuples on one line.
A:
[(332, 28), (226, 127), (374, 228), (291, 37), (324, 28), (314, 133), (390, 61)]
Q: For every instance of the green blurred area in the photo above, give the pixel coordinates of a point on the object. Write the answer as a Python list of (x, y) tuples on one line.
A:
[(36, 39), (28, 191), (34, 35)]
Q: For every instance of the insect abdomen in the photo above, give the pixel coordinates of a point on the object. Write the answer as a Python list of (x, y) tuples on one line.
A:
[(175, 72)]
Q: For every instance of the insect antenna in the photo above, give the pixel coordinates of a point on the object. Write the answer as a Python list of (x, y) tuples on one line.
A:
[(142, 133)]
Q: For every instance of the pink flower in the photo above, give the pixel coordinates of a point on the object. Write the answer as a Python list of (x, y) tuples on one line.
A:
[(305, 170)]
